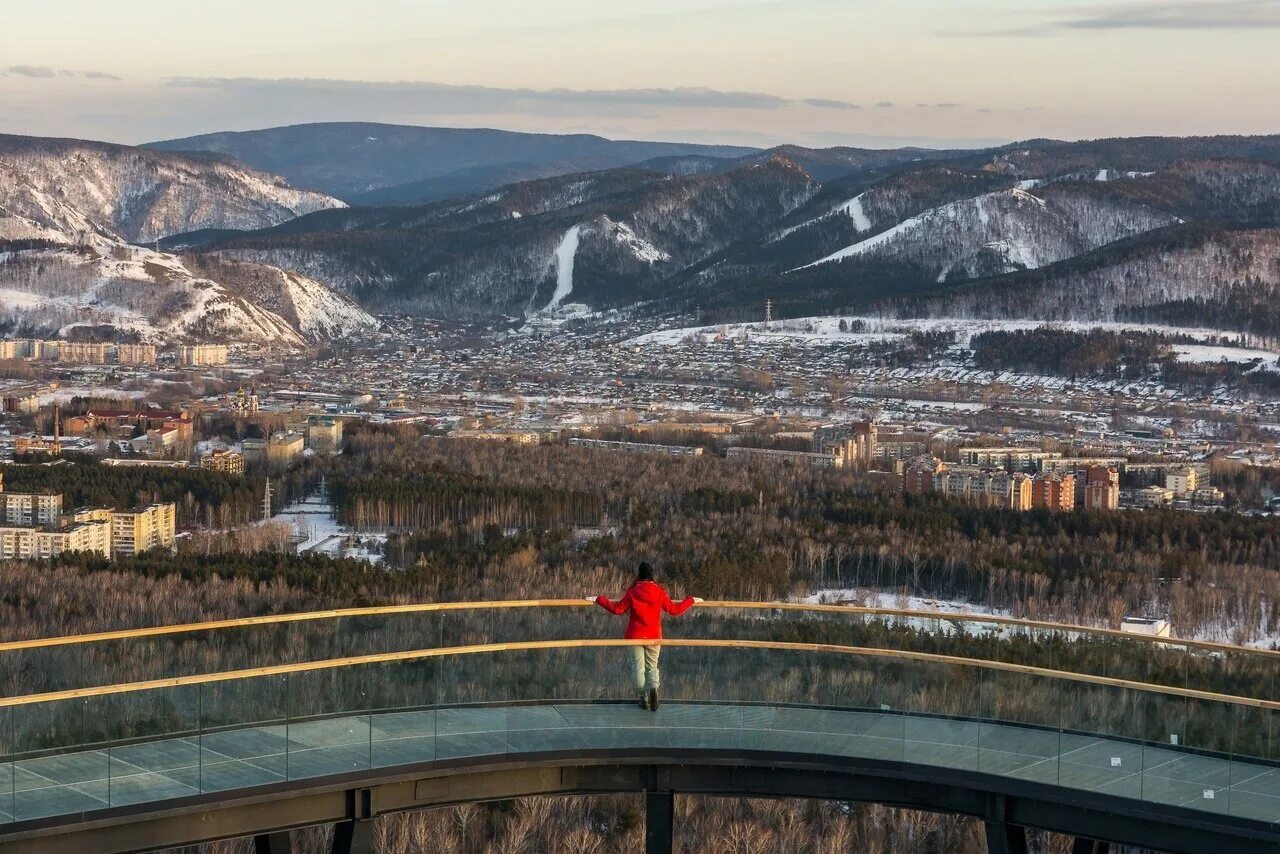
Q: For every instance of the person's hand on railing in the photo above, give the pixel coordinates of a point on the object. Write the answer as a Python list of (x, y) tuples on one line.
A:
[(698, 600), (591, 599)]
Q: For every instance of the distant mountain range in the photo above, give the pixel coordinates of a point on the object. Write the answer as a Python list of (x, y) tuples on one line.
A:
[(1177, 230), (370, 164)]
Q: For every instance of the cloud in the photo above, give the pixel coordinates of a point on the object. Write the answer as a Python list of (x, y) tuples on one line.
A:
[(1185, 15), (941, 105), (444, 97), (32, 71), (43, 72), (884, 105), (1194, 15), (827, 103)]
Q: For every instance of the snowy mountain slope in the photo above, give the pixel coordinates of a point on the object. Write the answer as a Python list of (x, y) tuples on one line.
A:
[(467, 258), (67, 209), (162, 298), (1001, 232), (1185, 275), (89, 191), (133, 289)]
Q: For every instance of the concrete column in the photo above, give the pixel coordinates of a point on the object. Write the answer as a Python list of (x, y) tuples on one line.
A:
[(353, 837), (659, 822), (1005, 838), (277, 842)]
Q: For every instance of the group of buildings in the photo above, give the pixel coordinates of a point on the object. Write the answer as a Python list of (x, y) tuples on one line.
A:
[(34, 526), (96, 353), (996, 477), (1013, 490)]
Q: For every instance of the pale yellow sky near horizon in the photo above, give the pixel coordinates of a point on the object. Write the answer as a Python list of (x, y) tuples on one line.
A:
[(818, 72)]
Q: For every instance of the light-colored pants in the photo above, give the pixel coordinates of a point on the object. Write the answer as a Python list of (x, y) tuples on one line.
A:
[(646, 659)]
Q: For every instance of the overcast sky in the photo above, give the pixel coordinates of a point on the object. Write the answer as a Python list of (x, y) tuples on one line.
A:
[(817, 72)]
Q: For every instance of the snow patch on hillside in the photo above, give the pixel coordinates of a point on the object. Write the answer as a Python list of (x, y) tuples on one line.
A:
[(642, 249), (565, 253), (852, 209)]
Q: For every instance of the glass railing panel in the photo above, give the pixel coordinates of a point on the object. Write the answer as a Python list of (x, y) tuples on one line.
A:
[(243, 734), (61, 765), (1255, 764), (1019, 734), (154, 749), (328, 721), (1103, 727), (939, 704), (6, 765), (1190, 768), (402, 724)]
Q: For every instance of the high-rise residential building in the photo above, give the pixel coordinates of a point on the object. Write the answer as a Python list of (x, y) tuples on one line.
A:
[(918, 475), (30, 508), (854, 444), (202, 354), (224, 460), (142, 528), (1054, 492), (324, 434), (1102, 488), (82, 352), (1013, 458), (136, 354), (1182, 482)]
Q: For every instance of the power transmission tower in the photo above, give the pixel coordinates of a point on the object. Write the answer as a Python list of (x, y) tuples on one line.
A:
[(768, 312)]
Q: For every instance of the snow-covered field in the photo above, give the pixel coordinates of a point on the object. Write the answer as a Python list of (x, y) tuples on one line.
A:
[(321, 533), (826, 330)]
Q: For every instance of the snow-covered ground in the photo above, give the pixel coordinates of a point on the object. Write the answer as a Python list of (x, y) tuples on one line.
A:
[(320, 532), (826, 330)]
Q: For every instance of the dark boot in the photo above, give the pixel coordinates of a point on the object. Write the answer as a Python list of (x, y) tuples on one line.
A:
[(644, 702), (653, 699)]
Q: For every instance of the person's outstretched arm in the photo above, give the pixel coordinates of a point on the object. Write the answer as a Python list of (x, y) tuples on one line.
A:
[(620, 607), (675, 609)]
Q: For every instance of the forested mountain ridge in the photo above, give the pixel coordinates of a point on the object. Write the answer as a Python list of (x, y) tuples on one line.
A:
[(677, 233), (611, 238), (814, 230)]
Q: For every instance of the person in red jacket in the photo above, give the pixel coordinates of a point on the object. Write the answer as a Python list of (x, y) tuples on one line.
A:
[(645, 600)]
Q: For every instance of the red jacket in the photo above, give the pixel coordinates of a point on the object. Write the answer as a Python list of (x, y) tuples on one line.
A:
[(646, 600)]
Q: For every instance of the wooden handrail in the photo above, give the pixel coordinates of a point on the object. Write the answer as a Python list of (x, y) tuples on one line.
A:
[(428, 607), (475, 649)]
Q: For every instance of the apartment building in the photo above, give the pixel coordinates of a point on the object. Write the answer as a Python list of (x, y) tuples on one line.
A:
[(136, 354), (804, 458), (1182, 482), (30, 508), (1009, 458), (637, 447), (142, 528), (224, 460), (1054, 492), (82, 352), (854, 444), (919, 474), (202, 354), (324, 434), (1101, 488)]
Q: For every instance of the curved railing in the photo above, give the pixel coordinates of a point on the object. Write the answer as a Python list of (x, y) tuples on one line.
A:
[(241, 703)]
